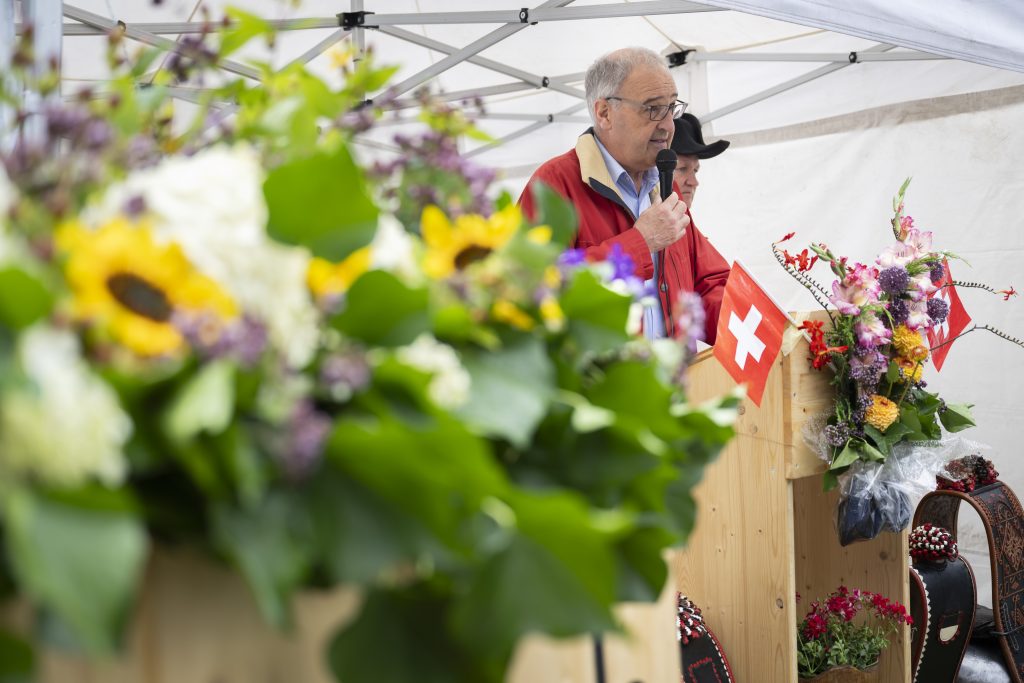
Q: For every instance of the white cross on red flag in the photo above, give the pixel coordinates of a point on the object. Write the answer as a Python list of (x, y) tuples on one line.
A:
[(750, 329), (956, 321)]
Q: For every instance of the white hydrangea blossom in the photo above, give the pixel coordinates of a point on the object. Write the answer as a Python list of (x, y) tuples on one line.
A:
[(67, 425), (212, 205), (392, 249), (449, 387)]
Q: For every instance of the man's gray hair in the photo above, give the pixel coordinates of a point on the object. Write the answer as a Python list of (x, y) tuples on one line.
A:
[(606, 75)]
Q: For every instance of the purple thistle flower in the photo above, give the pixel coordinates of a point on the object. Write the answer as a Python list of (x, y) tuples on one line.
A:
[(938, 271), (899, 311), (938, 309), (894, 280)]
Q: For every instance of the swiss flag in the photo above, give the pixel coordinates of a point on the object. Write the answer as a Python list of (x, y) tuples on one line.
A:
[(750, 329), (955, 322)]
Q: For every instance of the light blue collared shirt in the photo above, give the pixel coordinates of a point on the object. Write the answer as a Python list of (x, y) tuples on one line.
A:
[(638, 202)]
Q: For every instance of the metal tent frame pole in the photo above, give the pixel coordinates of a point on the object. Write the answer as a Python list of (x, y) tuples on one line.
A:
[(524, 131), (845, 58), (134, 33), (524, 76), (492, 38), (787, 85)]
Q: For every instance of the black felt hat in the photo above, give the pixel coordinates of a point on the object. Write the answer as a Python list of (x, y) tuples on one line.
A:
[(689, 140)]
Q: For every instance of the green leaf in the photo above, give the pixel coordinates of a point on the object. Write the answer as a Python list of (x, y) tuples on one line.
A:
[(892, 373), (896, 433), (829, 480), (24, 299), (244, 27), (510, 389), (321, 202), (17, 660), (429, 466), (381, 310), (638, 398), (270, 545), (596, 316), (555, 212), (83, 564), (846, 457), (870, 453), (401, 636), (956, 417), (642, 569), (533, 592), (912, 421), (205, 403), (880, 440), (359, 535)]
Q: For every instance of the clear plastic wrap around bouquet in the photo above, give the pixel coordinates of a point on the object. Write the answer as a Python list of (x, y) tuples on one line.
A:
[(887, 436)]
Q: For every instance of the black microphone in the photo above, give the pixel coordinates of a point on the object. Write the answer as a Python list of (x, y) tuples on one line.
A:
[(666, 163)]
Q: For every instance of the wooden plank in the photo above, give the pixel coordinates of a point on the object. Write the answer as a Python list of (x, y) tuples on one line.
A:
[(737, 566)]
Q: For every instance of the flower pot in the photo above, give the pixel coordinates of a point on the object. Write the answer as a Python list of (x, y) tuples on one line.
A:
[(847, 674)]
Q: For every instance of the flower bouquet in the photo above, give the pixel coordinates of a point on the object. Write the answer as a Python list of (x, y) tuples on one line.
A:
[(883, 438), (847, 631), (215, 334)]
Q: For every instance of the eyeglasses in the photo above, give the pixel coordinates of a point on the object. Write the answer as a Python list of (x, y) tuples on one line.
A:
[(657, 112)]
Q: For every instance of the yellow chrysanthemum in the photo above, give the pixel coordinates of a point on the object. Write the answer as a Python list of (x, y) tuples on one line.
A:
[(124, 281), (912, 370), (881, 413), (505, 311), (325, 278), (473, 237), (905, 339), (919, 352)]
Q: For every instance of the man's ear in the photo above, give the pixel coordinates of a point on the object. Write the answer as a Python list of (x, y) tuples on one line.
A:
[(602, 114)]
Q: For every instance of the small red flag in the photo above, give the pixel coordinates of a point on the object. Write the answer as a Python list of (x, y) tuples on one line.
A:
[(750, 329), (956, 321)]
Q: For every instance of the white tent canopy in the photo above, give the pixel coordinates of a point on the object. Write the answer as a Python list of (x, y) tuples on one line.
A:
[(829, 105)]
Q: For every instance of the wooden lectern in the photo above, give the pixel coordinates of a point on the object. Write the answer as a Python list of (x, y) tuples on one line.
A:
[(765, 531)]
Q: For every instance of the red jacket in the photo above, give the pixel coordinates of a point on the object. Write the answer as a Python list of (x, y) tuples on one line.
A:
[(692, 264)]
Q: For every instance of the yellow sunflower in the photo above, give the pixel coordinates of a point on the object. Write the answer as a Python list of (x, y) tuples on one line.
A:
[(453, 247), (125, 282), (325, 278)]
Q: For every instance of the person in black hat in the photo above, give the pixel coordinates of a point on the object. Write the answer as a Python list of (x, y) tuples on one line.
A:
[(688, 144)]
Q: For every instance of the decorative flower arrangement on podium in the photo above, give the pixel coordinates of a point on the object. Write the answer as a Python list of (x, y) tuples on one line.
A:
[(217, 334), (883, 439)]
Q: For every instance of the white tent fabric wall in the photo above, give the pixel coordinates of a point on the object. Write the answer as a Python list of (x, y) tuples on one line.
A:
[(967, 188), (823, 158)]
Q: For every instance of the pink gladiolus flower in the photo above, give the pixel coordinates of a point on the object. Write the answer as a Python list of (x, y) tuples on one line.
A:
[(898, 254), (859, 288), (919, 241), (906, 223), (921, 287), (870, 331), (917, 317)]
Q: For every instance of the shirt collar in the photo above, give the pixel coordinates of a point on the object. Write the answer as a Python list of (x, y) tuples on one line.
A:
[(622, 177)]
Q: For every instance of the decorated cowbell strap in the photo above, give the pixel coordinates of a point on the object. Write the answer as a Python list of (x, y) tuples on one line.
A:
[(1001, 514), (942, 602)]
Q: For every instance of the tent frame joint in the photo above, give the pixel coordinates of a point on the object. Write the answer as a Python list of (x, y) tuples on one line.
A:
[(524, 16), (353, 20), (678, 58), (853, 58)]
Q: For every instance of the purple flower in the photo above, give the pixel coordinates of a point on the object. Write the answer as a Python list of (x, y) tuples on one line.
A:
[(690, 319), (837, 435), (938, 309), (917, 316), (899, 311), (345, 373), (894, 279), (307, 431), (858, 289), (623, 267), (938, 271), (571, 258), (867, 368)]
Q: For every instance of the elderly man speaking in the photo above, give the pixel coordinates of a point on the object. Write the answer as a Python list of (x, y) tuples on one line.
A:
[(611, 179)]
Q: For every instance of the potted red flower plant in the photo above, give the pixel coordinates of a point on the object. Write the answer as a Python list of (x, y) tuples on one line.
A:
[(842, 637)]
